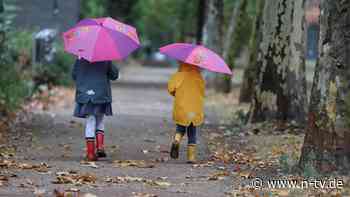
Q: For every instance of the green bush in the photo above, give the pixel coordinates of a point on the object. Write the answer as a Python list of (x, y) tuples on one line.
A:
[(13, 87), (93, 8), (20, 45), (18, 77)]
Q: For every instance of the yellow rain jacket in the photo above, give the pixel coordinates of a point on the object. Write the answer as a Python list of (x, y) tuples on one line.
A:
[(187, 86)]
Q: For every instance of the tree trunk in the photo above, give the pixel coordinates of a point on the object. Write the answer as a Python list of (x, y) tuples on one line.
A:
[(224, 82), (2, 29), (212, 31), (249, 75), (281, 64), (296, 77), (212, 28), (327, 140), (231, 28), (200, 20)]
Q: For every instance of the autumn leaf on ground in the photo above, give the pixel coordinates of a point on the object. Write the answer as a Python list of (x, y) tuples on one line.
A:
[(130, 179), (3, 180), (245, 174), (89, 195), (138, 194), (39, 192), (162, 184), (132, 163), (88, 164), (203, 165), (72, 192), (218, 176), (7, 152), (7, 164), (123, 179), (73, 178), (42, 168)]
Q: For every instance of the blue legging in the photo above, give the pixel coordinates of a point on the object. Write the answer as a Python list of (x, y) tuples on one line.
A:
[(191, 132)]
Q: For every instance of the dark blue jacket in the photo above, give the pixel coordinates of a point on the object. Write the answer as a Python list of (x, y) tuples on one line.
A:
[(92, 81)]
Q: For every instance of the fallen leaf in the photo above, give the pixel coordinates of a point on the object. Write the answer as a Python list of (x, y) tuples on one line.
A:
[(245, 174), (74, 178), (137, 194), (88, 164), (202, 165), (133, 163), (158, 183), (39, 192), (218, 176), (3, 180), (282, 193), (130, 179), (89, 195)]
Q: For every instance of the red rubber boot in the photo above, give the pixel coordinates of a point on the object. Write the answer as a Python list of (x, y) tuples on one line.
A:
[(100, 144), (90, 150)]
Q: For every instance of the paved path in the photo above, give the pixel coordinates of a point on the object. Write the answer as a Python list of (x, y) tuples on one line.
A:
[(140, 130)]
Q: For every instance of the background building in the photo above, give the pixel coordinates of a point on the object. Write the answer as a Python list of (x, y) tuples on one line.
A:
[(40, 14)]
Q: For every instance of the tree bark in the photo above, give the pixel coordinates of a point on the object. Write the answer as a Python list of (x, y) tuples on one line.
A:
[(2, 29), (212, 32), (281, 64), (229, 52), (327, 140), (231, 28), (212, 28), (249, 75), (200, 20)]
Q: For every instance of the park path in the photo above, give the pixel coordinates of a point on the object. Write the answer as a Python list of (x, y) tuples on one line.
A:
[(140, 130)]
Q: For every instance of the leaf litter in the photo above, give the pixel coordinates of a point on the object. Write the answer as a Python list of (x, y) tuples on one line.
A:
[(133, 163), (131, 179), (72, 177)]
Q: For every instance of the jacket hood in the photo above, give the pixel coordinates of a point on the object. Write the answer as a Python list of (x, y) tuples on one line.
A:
[(184, 67)]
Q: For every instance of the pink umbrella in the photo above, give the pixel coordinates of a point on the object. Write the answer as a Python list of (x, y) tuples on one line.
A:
[(101, 39), (196, 55)]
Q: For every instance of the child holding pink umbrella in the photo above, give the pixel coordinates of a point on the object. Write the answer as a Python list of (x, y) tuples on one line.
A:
[(97, 42), (188, 87)]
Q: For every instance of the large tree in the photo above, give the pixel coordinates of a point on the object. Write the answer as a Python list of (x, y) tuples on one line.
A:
[(212, 28), (212, 31), (249, 75), (233, 41), (280, 90), (327, 140), (200, 20)]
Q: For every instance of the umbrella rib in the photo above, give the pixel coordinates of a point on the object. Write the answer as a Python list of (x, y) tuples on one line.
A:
[(95, 43)]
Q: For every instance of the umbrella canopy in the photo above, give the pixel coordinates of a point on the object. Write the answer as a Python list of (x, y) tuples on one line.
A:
[(197, 55), (101, 39)]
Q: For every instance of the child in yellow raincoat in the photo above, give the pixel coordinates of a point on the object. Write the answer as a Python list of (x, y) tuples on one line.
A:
[(187, 86)]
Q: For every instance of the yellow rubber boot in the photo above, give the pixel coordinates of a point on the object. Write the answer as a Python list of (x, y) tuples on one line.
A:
[(191, 153), (175, 146)]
